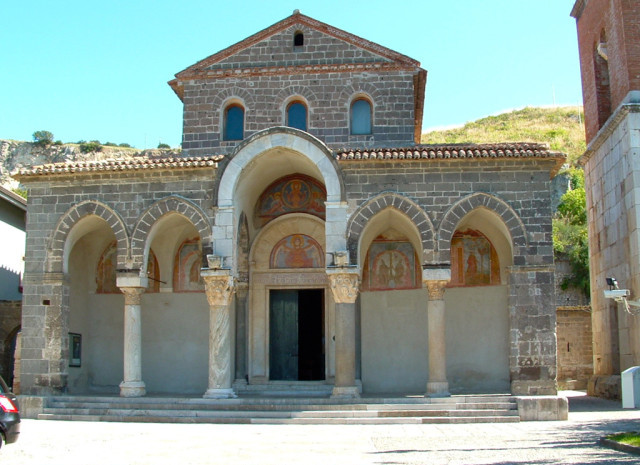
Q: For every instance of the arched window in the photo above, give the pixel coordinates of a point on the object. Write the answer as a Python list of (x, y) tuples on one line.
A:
[(298, 39), (297, 115), (234, 122), (360, 117), (603, 87)]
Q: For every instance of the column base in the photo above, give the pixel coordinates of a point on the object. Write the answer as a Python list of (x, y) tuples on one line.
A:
[(437, 389), (345, 392), (132, 389), (218, 393)]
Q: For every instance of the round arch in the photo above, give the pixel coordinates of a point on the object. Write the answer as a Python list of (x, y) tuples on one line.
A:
[(62, 238), (297, 147), (512, 223), (404, 206), (173, 204)]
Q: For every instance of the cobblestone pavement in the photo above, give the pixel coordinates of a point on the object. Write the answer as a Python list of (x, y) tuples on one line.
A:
[(569, 442)]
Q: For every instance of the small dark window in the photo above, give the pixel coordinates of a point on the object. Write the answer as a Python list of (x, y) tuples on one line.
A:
[(297, 116), (360, 117), (234, 123), (298, 39)]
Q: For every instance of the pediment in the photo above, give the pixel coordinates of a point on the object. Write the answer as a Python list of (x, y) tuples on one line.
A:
[(271, 51)]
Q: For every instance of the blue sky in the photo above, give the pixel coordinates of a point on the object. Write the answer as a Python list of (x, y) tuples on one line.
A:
[(99, 70)]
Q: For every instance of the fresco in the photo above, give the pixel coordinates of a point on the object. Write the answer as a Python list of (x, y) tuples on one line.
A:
[(291, 194), (390, 265), (474, 261), (187, 266), (106, 272), (297, 251)]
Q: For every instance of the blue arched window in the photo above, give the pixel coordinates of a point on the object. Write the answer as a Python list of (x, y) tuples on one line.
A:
[(360, 117), (234, 122), (297, 116)]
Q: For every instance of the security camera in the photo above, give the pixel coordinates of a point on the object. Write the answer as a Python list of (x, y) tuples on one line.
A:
[(612, 283), (617, 294)]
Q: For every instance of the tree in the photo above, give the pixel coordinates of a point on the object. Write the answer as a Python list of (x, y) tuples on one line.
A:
[(43, 138), (570, 236), (163, 146)]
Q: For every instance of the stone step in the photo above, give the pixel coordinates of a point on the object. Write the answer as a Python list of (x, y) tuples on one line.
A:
[(284, 421), (279, 414), (284, 410), (277, 407)]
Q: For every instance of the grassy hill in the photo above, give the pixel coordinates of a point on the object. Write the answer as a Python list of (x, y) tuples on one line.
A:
[(560, 127)]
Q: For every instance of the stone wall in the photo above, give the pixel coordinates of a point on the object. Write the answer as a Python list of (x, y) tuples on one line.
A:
[(575, 343), (129, 204), (613, 203), (617, 24), (328, 97), (519, 194)]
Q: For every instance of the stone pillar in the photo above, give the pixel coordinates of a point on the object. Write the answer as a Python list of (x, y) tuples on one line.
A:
[(436, 281), (132, 286), (45, 334), (345, 285), (219, 286), (242, 295)]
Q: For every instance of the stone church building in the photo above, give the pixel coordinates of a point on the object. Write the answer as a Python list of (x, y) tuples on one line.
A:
[(304, 242), (609, 41)]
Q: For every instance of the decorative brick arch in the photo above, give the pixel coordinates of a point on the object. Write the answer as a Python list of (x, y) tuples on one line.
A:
[(462, 207), (56, 247), (295, 90), (233, 93), (409, 208), (171, 204), (350, 92)]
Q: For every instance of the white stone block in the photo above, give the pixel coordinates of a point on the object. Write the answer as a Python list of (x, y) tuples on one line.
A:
[(631, 388)]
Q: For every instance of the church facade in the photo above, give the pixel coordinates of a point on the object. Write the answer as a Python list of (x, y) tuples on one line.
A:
[(305, 240)]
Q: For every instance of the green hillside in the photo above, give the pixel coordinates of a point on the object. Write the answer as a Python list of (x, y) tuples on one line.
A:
[(560, 127)]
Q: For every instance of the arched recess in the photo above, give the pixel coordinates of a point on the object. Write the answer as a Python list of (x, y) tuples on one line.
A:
[(509, 222), (392, 300), (65, 234), (409, 213), (141, 238), (260, 160), (175, 329), (488, 228)]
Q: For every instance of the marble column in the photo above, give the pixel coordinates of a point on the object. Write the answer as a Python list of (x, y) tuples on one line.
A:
[(219, 286), (345, 285), (132, 287), (437, 384)]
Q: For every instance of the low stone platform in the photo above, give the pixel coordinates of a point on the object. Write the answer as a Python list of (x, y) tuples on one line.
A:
[(289, 410)]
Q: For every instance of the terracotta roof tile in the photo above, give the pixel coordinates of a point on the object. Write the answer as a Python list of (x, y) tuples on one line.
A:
[(129, 164), (518, 150)]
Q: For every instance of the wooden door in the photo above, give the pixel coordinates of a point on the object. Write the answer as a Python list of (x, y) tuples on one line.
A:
[(283, 335)]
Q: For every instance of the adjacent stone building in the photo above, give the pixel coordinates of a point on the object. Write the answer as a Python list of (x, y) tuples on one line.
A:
[(305, 241), (609, 41), (12, 231)]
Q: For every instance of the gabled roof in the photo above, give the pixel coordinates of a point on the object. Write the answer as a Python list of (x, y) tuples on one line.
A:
[(198, 71)]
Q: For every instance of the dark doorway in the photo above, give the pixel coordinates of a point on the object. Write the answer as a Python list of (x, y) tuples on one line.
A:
[(296, 334)]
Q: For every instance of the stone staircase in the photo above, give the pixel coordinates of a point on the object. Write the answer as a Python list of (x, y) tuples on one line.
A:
[(285, 410)]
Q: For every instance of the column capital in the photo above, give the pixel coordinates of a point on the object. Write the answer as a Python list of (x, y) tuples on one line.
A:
[(219, 286), (345, 284), (132, 295), (436, 288)]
